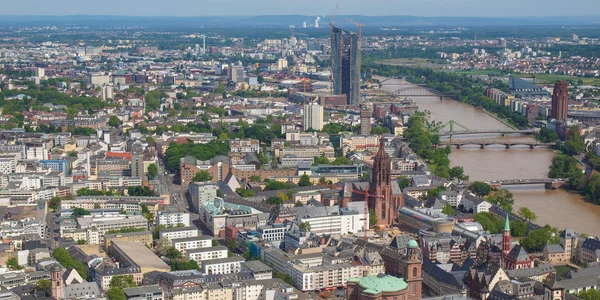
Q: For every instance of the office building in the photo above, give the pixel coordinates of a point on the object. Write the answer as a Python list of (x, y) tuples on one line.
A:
[(173, 218), (365, 122), (345, 64), (107, 92), (313, 116), (560, 101), (137, 255), (137, 165), (236, 74)]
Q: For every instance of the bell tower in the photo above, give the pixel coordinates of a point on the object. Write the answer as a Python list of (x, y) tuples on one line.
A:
[(414, 272), (56, 281), (506, 238)]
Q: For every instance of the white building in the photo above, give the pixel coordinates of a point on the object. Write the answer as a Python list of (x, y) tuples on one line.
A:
[(227, 265), (185, 244), (107, 92), (332, 219), (272, 232), (202, 192), (173, 218), (178, 232), (313, 116), (245, 145), (325, 276), (202, 254)]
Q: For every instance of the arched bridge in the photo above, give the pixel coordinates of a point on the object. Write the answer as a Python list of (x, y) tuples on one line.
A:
[(483, 144), (484, 131), (416, 91), (549, 183)]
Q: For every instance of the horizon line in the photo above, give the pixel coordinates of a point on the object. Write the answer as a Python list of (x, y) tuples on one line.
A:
[(302, 15)]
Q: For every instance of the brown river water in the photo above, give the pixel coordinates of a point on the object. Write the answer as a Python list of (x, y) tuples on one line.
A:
[(559, 208)]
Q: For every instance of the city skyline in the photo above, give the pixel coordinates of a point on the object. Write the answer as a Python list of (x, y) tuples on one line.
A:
[(426, 8)]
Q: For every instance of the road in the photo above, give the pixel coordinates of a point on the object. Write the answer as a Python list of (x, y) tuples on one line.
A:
[(167, 186)]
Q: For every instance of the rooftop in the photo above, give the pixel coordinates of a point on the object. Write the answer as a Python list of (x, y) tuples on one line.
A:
[(375, 284)]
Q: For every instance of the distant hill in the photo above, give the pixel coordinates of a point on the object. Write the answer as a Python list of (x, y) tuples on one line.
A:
[(287, 20)]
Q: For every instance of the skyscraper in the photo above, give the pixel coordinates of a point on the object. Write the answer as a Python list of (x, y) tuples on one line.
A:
[(236, 73), (313, 116), (380, 189), (345, 67), (560, 101), (365, 122)]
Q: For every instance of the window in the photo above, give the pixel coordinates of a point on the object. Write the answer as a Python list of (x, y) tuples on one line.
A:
[(415, 272), (414, 289)]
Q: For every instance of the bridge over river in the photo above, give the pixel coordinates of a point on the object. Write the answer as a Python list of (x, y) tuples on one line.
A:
[(549, 183), (484, 143)]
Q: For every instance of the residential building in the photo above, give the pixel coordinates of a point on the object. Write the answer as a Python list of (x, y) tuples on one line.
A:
[(178, 232), (313, 116), (190, 243), (173, 218), (201, 254), (226, 265), (148, 292)]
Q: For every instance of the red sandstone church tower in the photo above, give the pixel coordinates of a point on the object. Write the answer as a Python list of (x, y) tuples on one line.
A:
[(506, 238), (380, 191)]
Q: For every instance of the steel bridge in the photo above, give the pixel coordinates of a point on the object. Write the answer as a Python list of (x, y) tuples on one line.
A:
[(549, 183), (418, 91)]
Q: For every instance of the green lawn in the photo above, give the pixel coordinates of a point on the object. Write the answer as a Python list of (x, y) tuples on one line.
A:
[(551, 78), (492, 72), (561, 270)]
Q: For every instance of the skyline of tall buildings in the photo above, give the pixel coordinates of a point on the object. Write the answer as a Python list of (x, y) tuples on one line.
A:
[(345, 67)]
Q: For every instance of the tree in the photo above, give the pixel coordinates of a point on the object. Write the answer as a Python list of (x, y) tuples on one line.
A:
[(590, 294), (122, 281), (448, 210), (480, 189), (13, 263), (593, 189), (43, 285), (254, 178), (274, 200), (538, 238), (78, 212), (298, 204), (518, 228), (114, 121), (285, 277), (305, 181), (172, 253), (64, 258), (404, 183), (260, 79), (140, 191), (150, 140), (527, 214), (372, 218), (502, 198), (489, 222), (574, 143), (152, 171), (54, 203), (304, 226), (547, 135), (202, 176), (115, 294), (244, 192), (458, 173)]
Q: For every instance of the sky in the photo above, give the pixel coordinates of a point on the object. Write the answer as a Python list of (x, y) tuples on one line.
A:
[(469, 8)]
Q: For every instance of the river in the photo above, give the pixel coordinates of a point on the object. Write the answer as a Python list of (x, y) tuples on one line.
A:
[(519, 162)]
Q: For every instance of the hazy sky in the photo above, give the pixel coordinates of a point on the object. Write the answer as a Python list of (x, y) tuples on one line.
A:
[(481, 8)]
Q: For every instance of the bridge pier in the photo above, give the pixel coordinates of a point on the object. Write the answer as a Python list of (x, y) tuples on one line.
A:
[(507, 146), (436, 146), (554, 185), (457, 146), (495, 186), (441, 98), (482, 146), (531, 146)]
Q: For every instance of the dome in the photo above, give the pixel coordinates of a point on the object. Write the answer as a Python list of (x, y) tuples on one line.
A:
[(381, 283), (413, 244)]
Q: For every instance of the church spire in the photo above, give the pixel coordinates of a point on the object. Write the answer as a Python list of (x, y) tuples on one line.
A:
[(506, 224)]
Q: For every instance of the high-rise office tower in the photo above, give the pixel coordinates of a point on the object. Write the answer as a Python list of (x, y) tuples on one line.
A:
[(560, 101), (365, 122), (345, 67), (236, 73), (313, 116)]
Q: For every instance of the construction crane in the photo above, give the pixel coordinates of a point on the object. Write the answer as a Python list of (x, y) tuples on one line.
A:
[(334, 14)]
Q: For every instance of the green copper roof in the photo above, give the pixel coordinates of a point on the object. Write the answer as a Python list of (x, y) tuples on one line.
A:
[(413, 244), (375, 284), (506, 224)]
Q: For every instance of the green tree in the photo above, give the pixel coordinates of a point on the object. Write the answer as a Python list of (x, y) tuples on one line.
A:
[(285, 277), (593, 189), (590, 294), (458, 173), (114, 121), (502, 198), (64, 258), (448, 210), (538, 238), (78, 212), (518, 228), (304, 226), (140, 191), (274, 200), (122, 281), (44, 285), (54, 203), (305, 181), (574, 143), (404, 183), (372, 218), (254, 178), (547, 135), (172, 253), (13, 263), (244, 192), (527, 214), (202, 176), (480, 189), (152, 171), (115, 294), (489, 222)]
